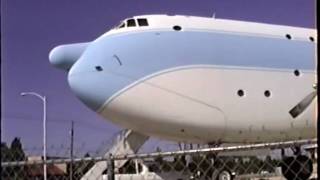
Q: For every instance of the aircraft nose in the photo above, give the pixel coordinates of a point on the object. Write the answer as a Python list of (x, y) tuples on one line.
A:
[(64, 56), (88, 88), (95, 78)]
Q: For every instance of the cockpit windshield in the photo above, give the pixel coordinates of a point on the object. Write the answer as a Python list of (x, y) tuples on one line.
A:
[(133, 23), (143, 22), (122, 25)]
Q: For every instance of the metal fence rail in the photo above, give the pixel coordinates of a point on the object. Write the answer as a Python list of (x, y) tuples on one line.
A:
[(233, 162)]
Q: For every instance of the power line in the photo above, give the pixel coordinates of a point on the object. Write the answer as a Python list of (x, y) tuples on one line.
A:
[(78, 123)]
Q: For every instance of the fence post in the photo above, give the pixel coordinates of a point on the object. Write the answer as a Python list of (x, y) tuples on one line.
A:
[(110, 167)]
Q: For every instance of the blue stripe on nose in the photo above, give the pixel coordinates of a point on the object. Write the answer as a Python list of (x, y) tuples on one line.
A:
[(88, 88), (94, 88)]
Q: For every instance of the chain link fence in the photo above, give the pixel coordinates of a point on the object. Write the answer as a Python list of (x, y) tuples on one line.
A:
[(259, 161)]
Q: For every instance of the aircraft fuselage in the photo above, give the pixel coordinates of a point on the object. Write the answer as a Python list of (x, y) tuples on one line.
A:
[(230, 82)]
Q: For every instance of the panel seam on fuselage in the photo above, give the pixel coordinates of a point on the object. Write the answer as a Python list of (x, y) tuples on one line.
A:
[(210, 31)]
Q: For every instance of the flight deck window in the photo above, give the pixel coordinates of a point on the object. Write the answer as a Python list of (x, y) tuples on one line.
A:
[(122, 25), (143, 22), (131, 23)]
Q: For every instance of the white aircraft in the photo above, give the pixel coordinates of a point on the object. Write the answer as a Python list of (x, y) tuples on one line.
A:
[(199, 80)]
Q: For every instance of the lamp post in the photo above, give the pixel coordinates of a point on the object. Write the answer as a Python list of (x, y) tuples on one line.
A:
[(44, 101)]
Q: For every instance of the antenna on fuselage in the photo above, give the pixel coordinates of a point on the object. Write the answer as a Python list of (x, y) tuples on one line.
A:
[(304, 103), (214, 15)]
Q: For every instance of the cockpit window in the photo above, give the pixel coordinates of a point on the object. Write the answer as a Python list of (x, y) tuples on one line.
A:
[(143, 22), (131, 23), (122, 25)]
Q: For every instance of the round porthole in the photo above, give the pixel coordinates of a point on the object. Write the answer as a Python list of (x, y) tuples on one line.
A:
[(99, 68), (240, 93), (288, 36), (267, 93), (177, 28), (296, 72), (311, 38)]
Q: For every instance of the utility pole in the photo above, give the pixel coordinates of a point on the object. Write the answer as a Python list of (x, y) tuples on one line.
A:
[(71, 151)]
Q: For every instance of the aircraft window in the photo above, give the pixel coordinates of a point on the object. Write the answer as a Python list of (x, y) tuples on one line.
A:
[(240, 92), (143, 22), (296, 72), (99, 68), (288, 36), (177, 28), (122, 25), (267, 93), (311, 38), (131, 23)]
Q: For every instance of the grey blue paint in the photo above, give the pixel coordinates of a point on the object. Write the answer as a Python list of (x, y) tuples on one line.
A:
[(147, 52)]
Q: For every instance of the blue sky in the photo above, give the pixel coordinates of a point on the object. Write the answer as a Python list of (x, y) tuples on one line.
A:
[(30, 29)]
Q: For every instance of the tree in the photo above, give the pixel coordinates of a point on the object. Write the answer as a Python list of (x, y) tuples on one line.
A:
[(87, 155), (16, 150), (5, 157), (14, 153), (5, 152)]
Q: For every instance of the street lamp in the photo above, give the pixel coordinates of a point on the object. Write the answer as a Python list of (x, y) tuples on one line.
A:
[(44, 101)]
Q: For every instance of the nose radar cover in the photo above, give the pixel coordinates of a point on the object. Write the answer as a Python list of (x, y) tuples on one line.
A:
[(64, 56)]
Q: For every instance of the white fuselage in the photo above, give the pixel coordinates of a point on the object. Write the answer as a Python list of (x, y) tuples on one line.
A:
[(206, 105), (206, 81)]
